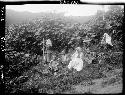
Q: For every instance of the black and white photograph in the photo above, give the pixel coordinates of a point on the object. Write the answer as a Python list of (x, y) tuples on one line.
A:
[(64, 48)]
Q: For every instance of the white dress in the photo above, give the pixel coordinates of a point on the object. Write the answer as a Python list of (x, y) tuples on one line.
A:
[(76, 63), (106, 39)]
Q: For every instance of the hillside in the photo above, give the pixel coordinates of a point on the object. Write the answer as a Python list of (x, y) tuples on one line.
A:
[(27, 71), (14, 17)]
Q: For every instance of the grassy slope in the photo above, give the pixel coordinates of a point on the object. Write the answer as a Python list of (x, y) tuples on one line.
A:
[(89, 80), (112, 84)]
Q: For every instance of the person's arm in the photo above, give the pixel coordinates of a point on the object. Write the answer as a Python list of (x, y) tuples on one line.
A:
[(69, 66)]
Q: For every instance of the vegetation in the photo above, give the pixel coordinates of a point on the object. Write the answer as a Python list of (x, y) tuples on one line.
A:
[(25, 74)]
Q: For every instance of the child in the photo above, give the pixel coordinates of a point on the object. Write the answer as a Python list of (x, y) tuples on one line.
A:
[(76, 62)]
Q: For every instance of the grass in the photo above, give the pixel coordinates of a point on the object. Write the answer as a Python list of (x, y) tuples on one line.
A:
[(34, 80)]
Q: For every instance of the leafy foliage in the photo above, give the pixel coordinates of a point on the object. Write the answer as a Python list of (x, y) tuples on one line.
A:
[(111, 24), (27, 38)]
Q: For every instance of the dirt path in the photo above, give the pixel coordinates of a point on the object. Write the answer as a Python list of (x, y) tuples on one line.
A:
[(112, 84)]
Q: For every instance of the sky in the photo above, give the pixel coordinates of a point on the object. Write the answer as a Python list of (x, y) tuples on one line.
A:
[(69, 9)]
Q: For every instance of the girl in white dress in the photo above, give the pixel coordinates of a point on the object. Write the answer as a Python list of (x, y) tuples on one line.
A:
[(76, 60)]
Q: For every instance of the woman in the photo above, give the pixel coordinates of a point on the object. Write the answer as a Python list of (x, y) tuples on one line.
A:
[(76, 62)]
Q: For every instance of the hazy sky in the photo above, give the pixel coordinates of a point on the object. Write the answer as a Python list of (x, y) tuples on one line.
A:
[(74, 10)]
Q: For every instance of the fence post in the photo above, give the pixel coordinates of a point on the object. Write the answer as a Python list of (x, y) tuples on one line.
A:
[(43, 51)]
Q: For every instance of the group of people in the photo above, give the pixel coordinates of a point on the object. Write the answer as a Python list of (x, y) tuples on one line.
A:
[(77, 60)]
